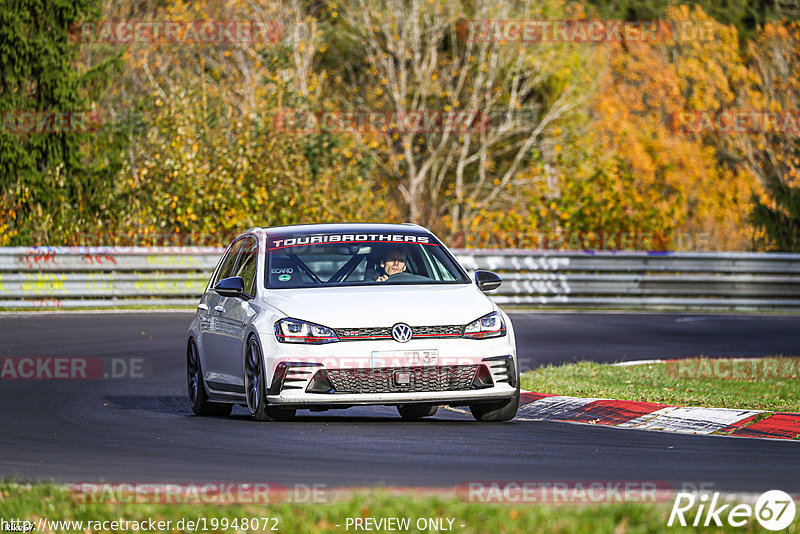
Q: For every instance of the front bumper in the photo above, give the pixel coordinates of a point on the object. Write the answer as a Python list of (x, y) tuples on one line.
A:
[(451, 398), (311, 384), (292, 368)]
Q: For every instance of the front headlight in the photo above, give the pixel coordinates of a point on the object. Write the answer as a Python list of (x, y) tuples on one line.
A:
[(491, 325), (296, 331)]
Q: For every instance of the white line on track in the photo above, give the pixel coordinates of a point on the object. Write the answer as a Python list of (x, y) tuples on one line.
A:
[(637, 362)]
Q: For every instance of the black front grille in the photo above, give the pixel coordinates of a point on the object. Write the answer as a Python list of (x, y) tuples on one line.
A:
[(438, 331), (355, 334), (382, 379), (361, 334)]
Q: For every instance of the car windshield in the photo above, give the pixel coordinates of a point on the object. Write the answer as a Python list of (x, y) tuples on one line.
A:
[(348, 260)]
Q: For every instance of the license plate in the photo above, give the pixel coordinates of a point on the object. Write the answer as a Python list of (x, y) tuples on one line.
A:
[(404, 358)]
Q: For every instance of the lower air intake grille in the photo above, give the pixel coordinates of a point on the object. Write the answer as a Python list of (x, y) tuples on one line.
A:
[(383, 379)]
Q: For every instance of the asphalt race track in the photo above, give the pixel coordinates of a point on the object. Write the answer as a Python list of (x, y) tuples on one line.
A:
[(141, 429)]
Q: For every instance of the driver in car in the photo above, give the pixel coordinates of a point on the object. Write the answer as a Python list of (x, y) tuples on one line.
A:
[(393, 262)]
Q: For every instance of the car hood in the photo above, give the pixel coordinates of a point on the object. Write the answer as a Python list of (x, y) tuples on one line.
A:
[(378, 306)]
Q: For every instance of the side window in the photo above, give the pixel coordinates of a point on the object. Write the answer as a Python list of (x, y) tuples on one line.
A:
[(229, 262), (248, 261)]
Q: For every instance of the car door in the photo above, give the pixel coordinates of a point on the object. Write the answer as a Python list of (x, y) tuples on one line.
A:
[(215, 330), (234, 314), (205, 315)]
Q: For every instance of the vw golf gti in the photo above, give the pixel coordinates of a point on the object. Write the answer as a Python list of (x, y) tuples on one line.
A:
[(315, 317)]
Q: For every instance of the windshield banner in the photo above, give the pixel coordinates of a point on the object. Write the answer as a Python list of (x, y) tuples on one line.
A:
[(347, 238)]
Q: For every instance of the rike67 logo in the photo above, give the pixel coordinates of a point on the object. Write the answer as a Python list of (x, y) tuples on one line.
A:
[(774, 510)]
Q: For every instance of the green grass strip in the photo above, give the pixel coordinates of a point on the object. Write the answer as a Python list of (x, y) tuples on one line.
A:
[(769, 384), (55, 503)]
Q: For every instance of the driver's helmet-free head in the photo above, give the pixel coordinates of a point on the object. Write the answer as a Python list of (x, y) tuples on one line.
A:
[(394, 259)]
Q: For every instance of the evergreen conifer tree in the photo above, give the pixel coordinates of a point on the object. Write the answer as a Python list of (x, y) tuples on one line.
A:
[(56, 178)]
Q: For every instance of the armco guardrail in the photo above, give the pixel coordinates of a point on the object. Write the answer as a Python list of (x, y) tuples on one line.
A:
[(77, 277), (68, 277), (656, 280)]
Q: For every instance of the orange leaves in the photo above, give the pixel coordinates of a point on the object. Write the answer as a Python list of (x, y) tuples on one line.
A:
[(209, 156), (643, 175)]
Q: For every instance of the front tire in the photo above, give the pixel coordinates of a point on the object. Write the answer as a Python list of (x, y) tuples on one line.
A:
[(198, 396), (414, 412), (255, 388), (496, 411)]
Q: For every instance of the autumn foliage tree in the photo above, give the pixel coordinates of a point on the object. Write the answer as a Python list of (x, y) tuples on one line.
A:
[(213, 159), (633, 171), (422, 57), (566, 138), (773, 155)]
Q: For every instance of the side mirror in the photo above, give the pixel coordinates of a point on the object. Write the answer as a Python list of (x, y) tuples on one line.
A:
[(487, 280), (231, 287)]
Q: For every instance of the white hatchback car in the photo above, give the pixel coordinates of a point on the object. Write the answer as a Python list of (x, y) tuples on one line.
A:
[(339, 315)]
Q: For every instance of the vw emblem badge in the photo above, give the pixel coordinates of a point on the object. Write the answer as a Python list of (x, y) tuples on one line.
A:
[(401, 332)]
